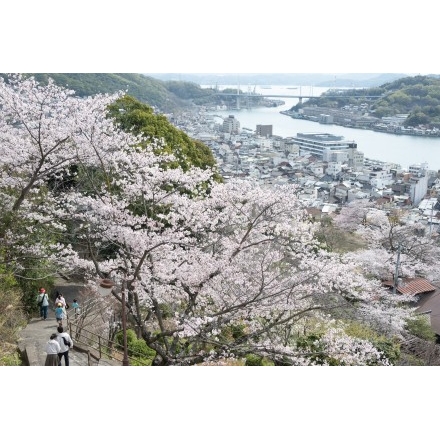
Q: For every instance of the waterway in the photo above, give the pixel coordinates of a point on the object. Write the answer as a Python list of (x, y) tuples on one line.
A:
[(401, 149)]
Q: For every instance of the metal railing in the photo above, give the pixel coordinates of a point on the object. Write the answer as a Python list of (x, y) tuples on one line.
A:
[(99, 348)]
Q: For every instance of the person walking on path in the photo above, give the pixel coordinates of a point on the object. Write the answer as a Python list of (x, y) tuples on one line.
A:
[(75, 307), (52, 350), (60, 299), (43, 302), (66, 343), (60, 314)]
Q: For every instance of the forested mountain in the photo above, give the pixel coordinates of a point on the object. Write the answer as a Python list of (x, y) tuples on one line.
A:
[(417, 96), (165, 96), (147, 90)]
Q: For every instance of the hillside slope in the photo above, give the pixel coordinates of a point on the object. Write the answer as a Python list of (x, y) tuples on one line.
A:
[(148, 90), (415, 96)]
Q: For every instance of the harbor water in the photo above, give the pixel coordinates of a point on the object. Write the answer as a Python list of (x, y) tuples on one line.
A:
[(404, 150)]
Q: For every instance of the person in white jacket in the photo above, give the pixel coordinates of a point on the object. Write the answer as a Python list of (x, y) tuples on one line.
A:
[(66, 343), (52, 349), (60, 299)]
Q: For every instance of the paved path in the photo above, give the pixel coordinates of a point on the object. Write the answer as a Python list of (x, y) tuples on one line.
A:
[(33, 342), (34, 336)]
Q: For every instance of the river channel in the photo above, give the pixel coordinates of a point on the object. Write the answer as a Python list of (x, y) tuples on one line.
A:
[(401, 149)]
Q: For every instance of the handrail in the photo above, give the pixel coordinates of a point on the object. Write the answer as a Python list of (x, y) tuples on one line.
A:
[(102, 345)]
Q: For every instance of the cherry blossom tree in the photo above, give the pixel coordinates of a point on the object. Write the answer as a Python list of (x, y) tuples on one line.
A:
[(45, 132), (211, 271), (226, 274), (390, 237)]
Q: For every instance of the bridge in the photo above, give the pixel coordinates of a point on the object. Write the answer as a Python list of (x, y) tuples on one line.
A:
[(300, 97)]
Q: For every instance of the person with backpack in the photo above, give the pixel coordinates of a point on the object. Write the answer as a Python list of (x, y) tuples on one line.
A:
[(43, 302), (66, 344)]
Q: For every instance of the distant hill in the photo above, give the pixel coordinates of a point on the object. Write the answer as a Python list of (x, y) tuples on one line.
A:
[(143, 93), (148, 90), (315, 79), (415, 96), (165, 96)]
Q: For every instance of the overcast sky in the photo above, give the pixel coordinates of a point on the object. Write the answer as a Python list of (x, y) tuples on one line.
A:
[(228, 36)]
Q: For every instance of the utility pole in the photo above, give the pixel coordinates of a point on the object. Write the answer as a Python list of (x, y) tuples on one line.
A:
[(430, 223), (396, 273)]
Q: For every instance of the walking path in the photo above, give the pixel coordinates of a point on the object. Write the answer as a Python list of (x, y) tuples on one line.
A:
[(34, 336)]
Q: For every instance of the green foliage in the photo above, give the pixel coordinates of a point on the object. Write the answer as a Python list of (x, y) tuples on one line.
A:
[(417, 96), (421, 327), (136, 348), (335, 239), (190, 91), (166, 96), (253, 360), (149, 90), (29, 286), (238, 331), (12, 318), (389, 347), (132, 115), (29, 274), (10, 360), (311, 343), (417, 118)]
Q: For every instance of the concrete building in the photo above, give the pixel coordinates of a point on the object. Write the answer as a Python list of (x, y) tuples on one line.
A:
[(264, 130), (418, 169), (231, 125), (318, 143), (418, 189)]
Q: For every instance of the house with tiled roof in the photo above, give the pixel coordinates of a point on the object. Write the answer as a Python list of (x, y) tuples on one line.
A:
[(426, 297)]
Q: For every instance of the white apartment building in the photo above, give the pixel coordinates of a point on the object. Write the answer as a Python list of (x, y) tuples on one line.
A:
[(418, 188), (381, 178), (333, 169), (337, 156), (418, 169), (266, 144), (318, 143), (231, 125)]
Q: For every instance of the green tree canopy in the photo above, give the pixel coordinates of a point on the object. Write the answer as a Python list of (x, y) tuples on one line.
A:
[(133, 115)]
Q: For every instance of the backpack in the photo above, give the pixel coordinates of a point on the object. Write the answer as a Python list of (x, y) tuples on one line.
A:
[(66, 342)]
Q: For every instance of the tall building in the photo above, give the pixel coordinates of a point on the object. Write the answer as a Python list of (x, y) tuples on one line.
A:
[(231, 125), (264, 130), (418, 188)]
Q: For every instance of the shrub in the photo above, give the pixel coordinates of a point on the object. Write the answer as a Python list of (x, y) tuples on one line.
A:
[(252, 360), (136, 348)]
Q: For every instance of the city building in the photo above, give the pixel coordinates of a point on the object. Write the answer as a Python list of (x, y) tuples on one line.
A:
[(264, 130), (231, 125), (318, 143)]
